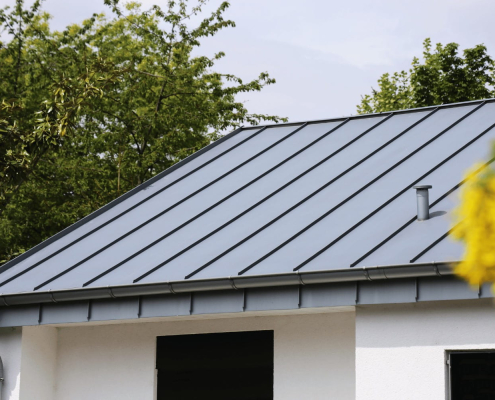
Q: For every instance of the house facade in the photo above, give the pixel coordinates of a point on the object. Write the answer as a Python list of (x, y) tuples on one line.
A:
[(299, 260)]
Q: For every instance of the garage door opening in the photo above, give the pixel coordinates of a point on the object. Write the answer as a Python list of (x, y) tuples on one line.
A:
[(472, 375), (237, 365)]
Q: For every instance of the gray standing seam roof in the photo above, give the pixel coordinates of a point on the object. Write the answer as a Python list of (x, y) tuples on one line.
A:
[(314, 196)]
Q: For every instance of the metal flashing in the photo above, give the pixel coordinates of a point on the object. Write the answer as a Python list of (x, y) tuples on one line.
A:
[(229, 283), (294, 297)]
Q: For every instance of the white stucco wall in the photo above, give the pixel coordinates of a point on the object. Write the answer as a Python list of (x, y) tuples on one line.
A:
[(400, 349), (38, 363), (29, 359), (10, 351), (314, 356)]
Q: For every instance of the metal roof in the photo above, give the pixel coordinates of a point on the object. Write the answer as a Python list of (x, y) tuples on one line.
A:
[(322, 196)]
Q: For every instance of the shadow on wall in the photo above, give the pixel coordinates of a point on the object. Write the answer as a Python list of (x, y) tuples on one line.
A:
[(10, 352)]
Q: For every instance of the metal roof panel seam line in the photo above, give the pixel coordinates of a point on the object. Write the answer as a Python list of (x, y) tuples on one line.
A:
[(168, 208), (260, 202), (410, 221), (393, 198), (139, 188), (324, 215), (118, 200)]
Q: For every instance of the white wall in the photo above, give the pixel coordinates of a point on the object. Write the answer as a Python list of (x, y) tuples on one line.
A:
[(29, 360), (400, 349), (38, 363), (10, 351), (314, 356)]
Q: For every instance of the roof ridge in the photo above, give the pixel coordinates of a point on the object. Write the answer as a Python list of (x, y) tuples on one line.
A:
[(401, 111)]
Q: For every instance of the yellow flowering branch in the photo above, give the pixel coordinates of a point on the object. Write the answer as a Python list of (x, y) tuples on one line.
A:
[(475, 225)]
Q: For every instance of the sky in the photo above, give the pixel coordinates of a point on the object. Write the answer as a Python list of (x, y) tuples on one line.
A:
[(323, 54)]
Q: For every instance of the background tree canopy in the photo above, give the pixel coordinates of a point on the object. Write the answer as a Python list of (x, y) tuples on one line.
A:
[(443, 76), (89, 113)]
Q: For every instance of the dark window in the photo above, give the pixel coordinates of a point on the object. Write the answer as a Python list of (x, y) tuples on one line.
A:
[(216, 366), (472, 375)]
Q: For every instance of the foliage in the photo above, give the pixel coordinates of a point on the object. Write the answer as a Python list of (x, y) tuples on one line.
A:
[(92, 111), (21, 146), (444, 76), (475, 226)]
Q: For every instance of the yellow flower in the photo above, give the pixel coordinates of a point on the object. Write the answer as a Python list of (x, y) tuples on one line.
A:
[(475, 226)]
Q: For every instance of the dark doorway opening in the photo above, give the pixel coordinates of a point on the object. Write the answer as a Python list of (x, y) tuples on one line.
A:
[(472, 375), (237, 365)]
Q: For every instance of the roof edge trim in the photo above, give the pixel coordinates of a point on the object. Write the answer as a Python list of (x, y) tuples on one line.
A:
[(238, 282), (357, 116)]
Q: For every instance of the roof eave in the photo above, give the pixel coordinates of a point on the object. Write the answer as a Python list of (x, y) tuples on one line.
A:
[(385, 272)]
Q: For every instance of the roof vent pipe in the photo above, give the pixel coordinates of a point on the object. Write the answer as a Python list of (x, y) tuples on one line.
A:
[(423, 202)]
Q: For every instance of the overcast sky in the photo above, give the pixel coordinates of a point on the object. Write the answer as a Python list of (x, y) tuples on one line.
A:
[(323, 54)]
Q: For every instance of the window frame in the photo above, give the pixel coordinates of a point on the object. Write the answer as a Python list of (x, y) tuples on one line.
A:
[(448, 365), (271, 332)]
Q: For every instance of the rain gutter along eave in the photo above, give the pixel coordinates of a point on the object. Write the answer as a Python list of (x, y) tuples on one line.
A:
[(387, 272)]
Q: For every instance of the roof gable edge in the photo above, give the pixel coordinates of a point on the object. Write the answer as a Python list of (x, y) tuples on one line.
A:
[(116, 201)]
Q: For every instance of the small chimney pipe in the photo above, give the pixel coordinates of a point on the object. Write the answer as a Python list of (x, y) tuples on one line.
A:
[(423, 202)]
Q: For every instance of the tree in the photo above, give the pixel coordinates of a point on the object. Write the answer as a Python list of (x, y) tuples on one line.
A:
[(118, 99), (29, 124), (444, 76)]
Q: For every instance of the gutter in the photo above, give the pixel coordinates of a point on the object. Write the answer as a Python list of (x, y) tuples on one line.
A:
[(236, 283)]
